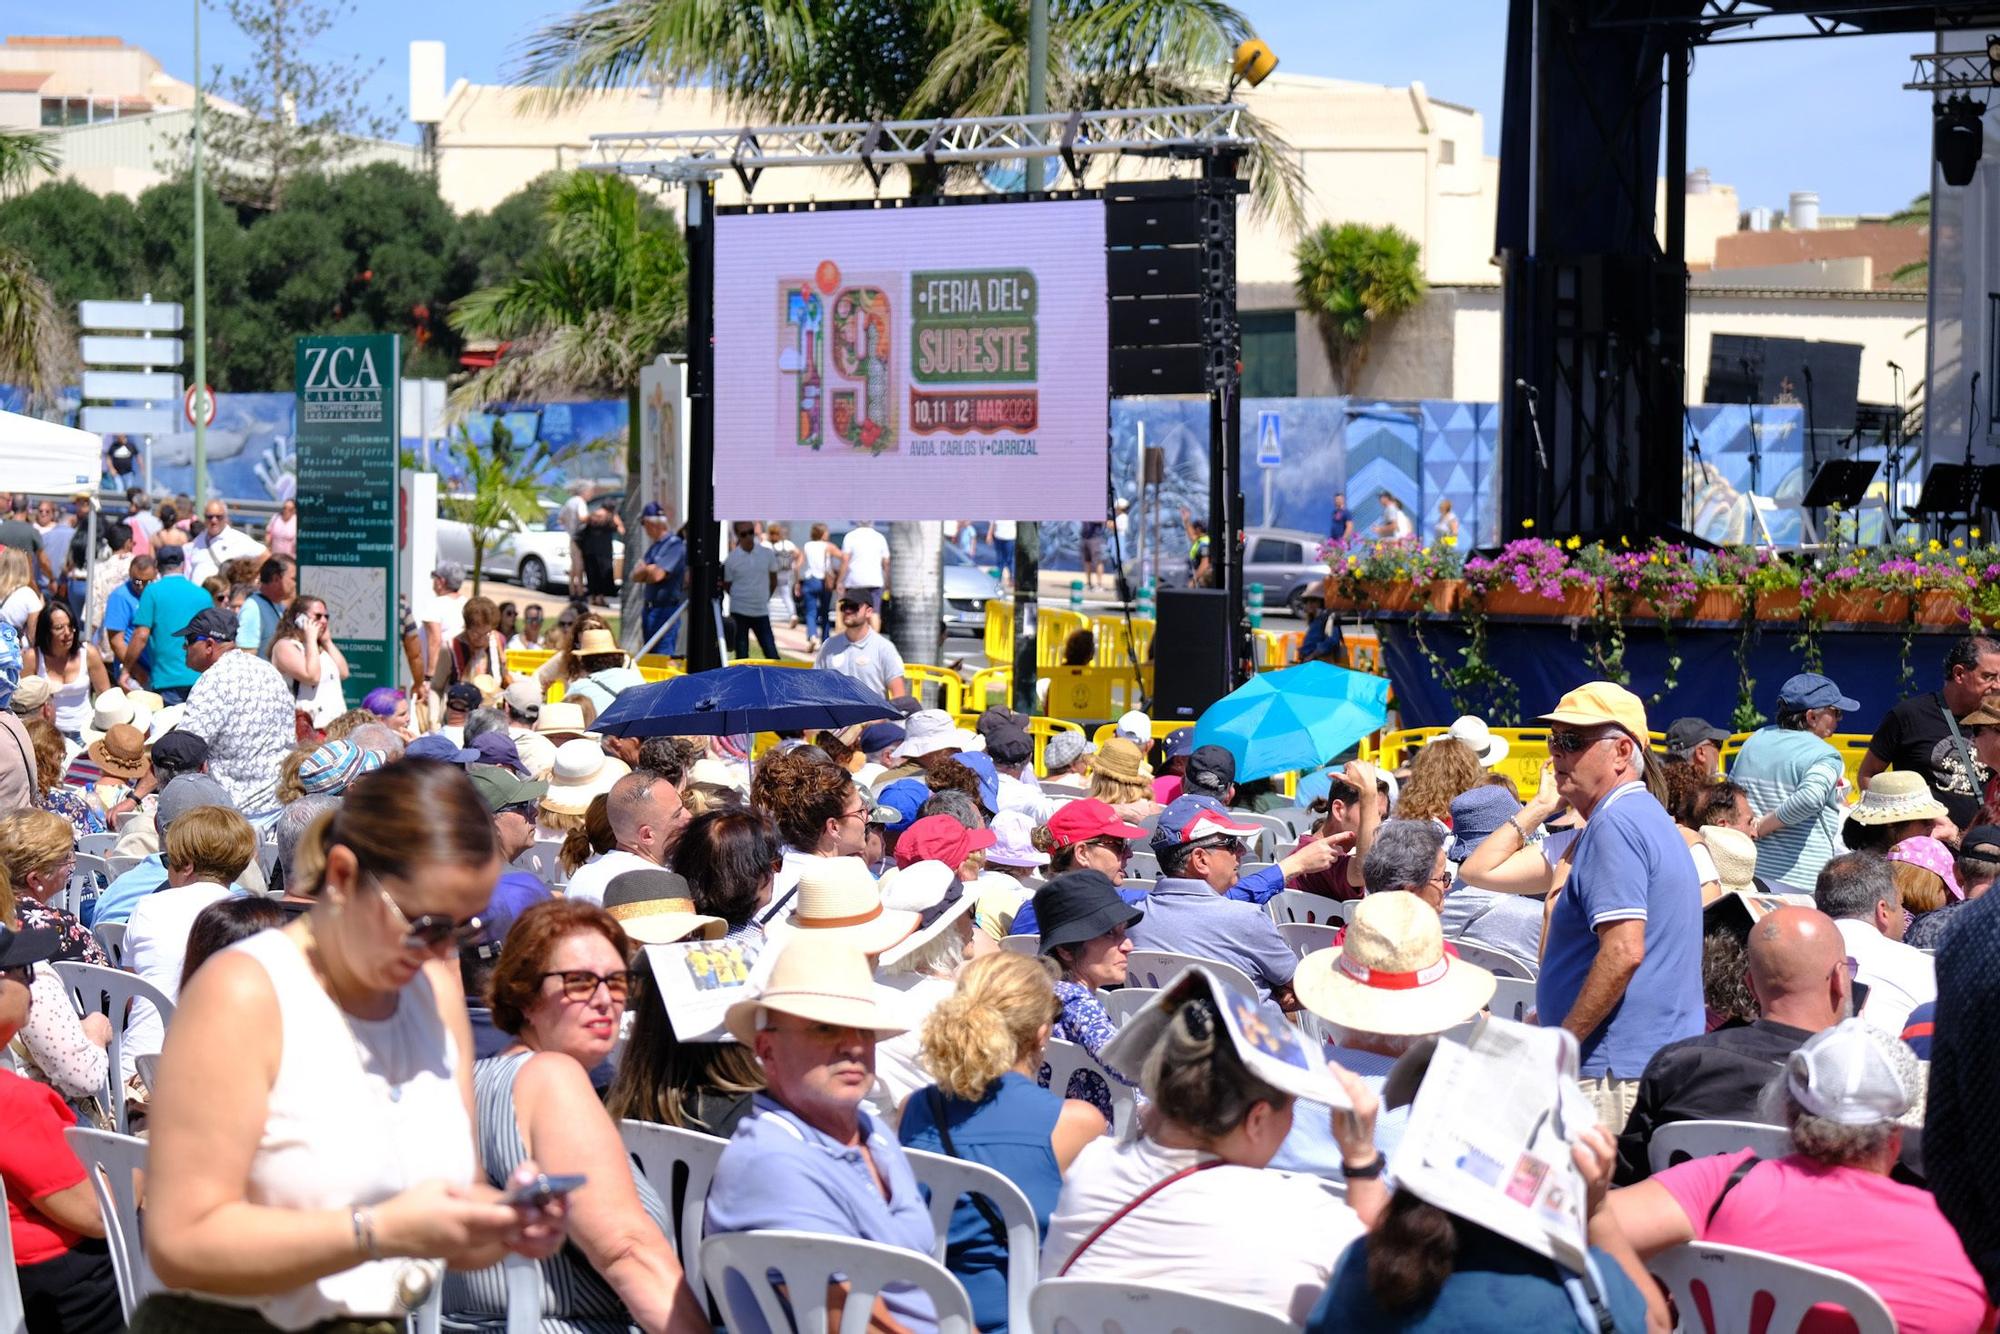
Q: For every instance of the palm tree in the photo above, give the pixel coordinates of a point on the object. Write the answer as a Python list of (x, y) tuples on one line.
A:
[(500, 487), (1917, 213), (37, 340), (588, 313), (1352, 277)]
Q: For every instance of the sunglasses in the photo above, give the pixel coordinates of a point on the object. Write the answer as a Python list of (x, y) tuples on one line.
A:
[(580, 984), (1569, 743), (1235, 847), (427, 931), (1121, 848), (527, 810)]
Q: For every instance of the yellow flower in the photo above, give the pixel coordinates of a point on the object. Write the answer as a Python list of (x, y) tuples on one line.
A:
[(1447, 541), (1961, 560), (1527, 523), (1958, 543), (1573, 542), (1975, 534), (1936, 545), (1919, 583), (1622, 542)]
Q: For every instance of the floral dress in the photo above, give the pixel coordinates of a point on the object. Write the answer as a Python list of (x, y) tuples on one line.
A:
[(70, 805), (1084, 1022), (74, 943)]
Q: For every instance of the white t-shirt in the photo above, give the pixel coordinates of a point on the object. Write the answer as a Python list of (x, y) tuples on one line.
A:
[(867, 552), (1004, 530), (818, 551), (1899, 977), (748, 574), (587, 885), (572, 514), (873, 660), (1196, 1234), (156, 938), (22, 603)]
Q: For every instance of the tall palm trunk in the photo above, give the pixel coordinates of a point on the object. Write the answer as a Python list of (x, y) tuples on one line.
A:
[(914, 618)]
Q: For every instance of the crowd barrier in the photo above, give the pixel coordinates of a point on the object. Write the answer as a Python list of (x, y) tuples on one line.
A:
[(1528, 749)]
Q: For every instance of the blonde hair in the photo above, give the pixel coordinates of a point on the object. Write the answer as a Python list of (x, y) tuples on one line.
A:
[(1440, 773), (216, 841), (289, 788), (15, 572), (592, 834), (33, 840), (994, 1019), (1920, 890)]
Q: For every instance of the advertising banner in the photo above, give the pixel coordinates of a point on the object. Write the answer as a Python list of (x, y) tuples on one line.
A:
[(914, 363), (347, 490)]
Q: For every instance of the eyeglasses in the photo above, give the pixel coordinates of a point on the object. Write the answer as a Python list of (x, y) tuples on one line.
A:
[(24, 973), (215, 518), (527, 810), (858, 813), (580, 984), (427, 931), (1121, 848), (1235, 847), (1571, 742)]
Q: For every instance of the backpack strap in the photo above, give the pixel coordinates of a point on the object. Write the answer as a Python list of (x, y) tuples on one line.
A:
[(1735, 1180), (935, 1097)]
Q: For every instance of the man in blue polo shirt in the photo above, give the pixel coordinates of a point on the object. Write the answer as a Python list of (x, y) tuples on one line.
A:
[(1200, 845), (661, 571), (122, 895), (1622, 966), (164, 610)]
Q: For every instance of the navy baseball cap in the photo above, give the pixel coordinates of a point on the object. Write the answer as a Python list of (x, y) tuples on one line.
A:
[(989, 777), (1193, 817), (217, 623), (438, 746), (879, 736), (654, 510), (1810, 690), (1178, 743), (896, 805)]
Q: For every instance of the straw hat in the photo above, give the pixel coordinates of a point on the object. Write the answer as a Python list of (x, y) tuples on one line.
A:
[(1896, 796), (710, 772), (1121, 758), (838, 898), (823, 978), (932, 730), (30, 695), (1735, 854), (1474, 732), (489, 689), (931, 890), (595, 640), (582, 770), (561, 719), (1390, 973), (656, 907), (108, 710), (120, 752)]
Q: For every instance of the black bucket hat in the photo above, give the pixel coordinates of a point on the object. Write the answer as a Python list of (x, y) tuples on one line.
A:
[(1080, 905)]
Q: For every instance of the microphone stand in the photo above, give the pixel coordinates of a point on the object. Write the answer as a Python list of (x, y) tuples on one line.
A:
[(1756, 443), (1532, 395), (1812, 441)]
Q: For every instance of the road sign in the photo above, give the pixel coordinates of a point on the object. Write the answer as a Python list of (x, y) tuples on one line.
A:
[(199, 398), (1270, 439), (100, 350), (140, 386), (129, 421), (139, 316)]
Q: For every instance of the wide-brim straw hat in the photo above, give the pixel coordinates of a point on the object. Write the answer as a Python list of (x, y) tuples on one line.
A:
[(120, 752), (581, 772), (595, 641), (655, 907), (1475, 732), (823, 978), (1122, 758), (1896, 796), (931, 890), (1390, 973), (838, 898), (1735, 854), (561, 718)]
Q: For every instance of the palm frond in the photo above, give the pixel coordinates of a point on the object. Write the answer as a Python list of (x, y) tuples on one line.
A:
[(22, 154), (37, 341)]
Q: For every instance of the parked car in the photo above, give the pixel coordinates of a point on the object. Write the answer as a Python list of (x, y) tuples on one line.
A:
[(535, 558), (967, 588), (1286, 561)]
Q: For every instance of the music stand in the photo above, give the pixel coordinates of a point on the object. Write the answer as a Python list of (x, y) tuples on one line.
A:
[(1951, 490), (1840, 484)]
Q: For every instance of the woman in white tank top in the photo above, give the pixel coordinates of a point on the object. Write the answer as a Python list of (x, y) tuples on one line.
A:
[(312, 1157), (305, 655)]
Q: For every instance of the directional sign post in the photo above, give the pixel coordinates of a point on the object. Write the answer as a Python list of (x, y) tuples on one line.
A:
[(140, 401), (1270, 455), (199, 401)]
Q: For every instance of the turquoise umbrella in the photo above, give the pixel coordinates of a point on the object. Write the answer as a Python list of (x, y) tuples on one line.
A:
[(1298, 718)]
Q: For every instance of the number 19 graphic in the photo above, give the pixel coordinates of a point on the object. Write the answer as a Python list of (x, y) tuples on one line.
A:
[(859, 383)]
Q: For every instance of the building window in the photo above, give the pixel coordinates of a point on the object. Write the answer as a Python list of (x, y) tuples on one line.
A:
[(1447, 152), (1270, 353)]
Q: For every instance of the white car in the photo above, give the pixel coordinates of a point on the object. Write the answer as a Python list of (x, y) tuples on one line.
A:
[(535, 558)]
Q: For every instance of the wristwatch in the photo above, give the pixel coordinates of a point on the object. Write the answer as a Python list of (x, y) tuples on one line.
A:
[(1366, 1172)]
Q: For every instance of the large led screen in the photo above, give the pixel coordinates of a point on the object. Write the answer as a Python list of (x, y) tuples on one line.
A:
[(942, 362)]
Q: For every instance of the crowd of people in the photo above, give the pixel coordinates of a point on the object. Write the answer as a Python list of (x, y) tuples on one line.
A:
[(424, 954)]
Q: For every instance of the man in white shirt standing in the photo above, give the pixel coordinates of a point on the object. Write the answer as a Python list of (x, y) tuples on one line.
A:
[(862, 654), (1395, 523), (218, 543), (867, 573), (1857, 891), (750, 576), (646, 820), (207, 848)]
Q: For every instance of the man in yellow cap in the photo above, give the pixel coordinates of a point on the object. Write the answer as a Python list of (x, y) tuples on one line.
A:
[(1622, 965)]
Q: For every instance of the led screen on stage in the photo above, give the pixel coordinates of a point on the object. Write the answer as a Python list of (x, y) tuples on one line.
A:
[(942, 362)]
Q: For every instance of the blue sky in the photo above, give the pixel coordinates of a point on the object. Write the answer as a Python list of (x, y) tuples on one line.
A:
[(1768, 118)]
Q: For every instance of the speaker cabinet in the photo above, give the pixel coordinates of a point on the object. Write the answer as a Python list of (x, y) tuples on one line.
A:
[(1190, 652)]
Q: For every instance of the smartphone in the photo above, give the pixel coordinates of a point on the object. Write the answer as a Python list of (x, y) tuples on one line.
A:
[(543, 1189)]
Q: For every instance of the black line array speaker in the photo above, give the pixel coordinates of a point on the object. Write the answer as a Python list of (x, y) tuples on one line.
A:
[(1190, 652), (1171, 285)]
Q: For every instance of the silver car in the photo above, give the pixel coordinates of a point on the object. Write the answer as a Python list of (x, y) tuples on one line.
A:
[(1286, 561)]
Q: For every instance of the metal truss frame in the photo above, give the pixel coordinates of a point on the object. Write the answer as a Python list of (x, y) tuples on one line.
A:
[(1728, 21), (1951, 71)]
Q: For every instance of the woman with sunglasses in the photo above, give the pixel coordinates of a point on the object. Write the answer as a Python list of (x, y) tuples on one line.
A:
[(312, 1143), (311, 663), (560, 989)]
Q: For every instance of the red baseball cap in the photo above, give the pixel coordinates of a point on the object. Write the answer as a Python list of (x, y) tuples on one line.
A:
[(1081, 821), (940, 838)]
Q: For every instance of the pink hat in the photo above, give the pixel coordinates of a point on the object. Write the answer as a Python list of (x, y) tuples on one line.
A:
[(1925, 851)]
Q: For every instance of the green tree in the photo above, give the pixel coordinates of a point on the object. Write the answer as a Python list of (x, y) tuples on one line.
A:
[(1353, 277), (791, 62), (494, 487), (24, 154), (1917, 213), (499, 245), (301, 110), (84, 245), (37, 339)]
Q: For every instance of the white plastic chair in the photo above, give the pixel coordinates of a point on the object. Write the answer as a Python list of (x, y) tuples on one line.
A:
[(113, 1163), (1157, 968), (96, 845), (120, 865), (1030, 945), (948, 1178), (736, 1265), (1513, 998), (13, 1315), (111, 935), (1678, 1141), (662, 1152), (267, 857), (1065, 1058), (1122, 1004), (1297, 819), (89, 986), (1142, 864), (1100, 1306), (1294, 905), (540, 858), (1731, 1277), (1496, 962), (1275, 831), (1305, 937)]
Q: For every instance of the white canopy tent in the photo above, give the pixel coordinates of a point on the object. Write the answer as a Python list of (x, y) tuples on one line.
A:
[(47, 458)]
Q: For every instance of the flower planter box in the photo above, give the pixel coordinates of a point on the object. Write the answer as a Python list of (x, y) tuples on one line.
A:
[(1941, 607), (1447, 595), (1862, 606), (1779, 604), (1405, 595), (1722, 603), (1507, 600)]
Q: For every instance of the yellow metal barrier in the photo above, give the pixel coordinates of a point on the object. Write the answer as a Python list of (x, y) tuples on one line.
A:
[(1112, 649), (1161, 731), (1080, 694), (796, 663), (1000, 631), (1053, 627), (990, 686), (525, 661), (951, 686)]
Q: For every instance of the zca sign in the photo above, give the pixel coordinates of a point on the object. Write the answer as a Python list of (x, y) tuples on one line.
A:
[(337, 376)]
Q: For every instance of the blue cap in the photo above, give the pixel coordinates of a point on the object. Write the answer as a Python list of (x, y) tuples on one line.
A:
[(896, 805), (879, 736), (1475, 813), (438, 746), (1178, 743), (498, 748), (654, 510), (1193, 816), (1810, 690), (989, 777)]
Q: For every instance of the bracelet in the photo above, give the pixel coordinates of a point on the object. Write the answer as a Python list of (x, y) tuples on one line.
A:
[(1367, 1171), (1516, 824), (364, 1232)]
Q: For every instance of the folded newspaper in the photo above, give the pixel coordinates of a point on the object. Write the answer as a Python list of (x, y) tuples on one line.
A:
[(1490, 1131), (1269, 1045), (698, 980)]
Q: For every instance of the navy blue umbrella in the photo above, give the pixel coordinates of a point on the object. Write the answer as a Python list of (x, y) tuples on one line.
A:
[(733, 700)]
